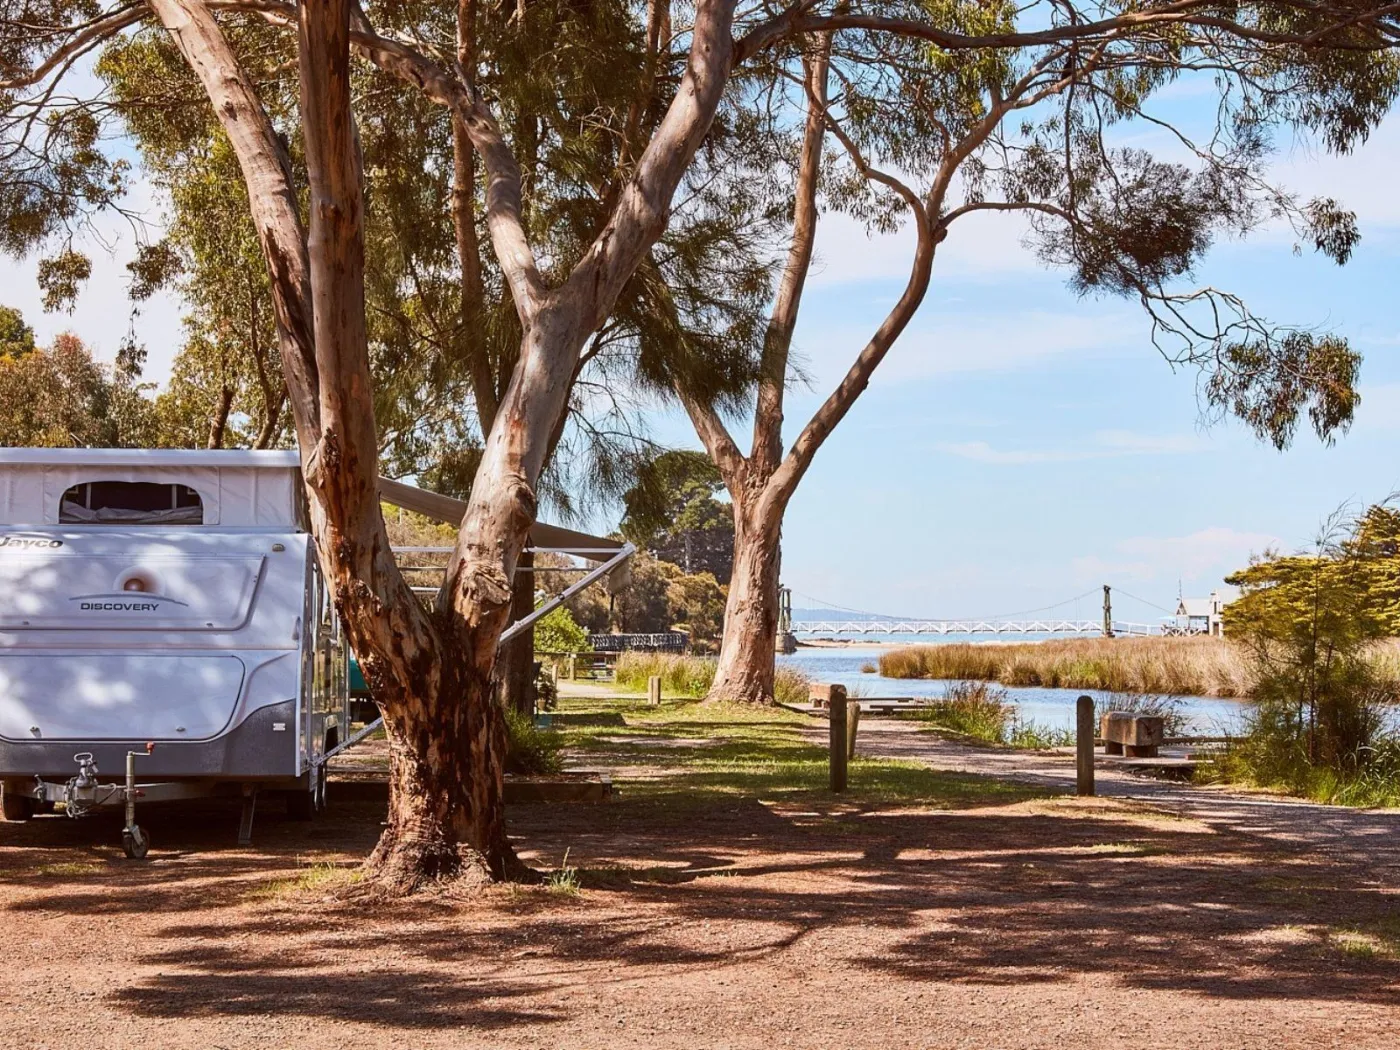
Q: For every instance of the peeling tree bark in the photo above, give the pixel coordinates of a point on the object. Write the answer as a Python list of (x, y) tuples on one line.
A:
[(431, 673)]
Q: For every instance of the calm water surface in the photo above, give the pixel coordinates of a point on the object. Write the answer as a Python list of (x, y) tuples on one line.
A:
[(1206, 715)]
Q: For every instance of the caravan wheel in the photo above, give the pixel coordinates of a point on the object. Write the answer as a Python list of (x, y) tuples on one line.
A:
[(15, 808), (135, 842)]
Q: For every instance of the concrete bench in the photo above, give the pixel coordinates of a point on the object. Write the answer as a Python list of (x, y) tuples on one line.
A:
[(1135, 736)]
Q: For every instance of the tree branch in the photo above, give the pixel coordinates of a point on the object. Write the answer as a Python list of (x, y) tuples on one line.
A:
[(767, 449)]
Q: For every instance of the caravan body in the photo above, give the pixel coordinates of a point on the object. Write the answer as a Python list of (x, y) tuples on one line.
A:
[(165, 597)]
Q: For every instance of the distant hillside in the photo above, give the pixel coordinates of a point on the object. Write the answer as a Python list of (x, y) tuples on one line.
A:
[(836, 614)]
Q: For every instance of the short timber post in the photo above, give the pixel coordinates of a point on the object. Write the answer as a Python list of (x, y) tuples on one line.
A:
[(1084, 745), (573, 667), (836, 720), (852, 726), (654, 690), (1107, 611)]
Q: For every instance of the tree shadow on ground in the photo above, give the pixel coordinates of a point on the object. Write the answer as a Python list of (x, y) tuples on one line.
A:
[(1022, 893)]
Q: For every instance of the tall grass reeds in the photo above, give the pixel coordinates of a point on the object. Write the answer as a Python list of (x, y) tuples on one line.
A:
[(984, 714), (692, 676), (1180, 666)]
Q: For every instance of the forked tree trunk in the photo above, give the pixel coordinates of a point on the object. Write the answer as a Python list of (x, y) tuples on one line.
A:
[(746, 672), (431, 673)]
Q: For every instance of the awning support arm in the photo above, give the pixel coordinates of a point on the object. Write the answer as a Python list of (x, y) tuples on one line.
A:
[(510, 632), (568, 592)]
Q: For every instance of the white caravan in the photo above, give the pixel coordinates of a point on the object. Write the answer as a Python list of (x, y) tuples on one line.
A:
[(163, 611), (163, 614)]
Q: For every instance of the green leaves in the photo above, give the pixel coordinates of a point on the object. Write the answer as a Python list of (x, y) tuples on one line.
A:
[(1333, 228), (1270, 380), (59, 396), (61, 278), (1308, 623), (16, 337), (674, 491)]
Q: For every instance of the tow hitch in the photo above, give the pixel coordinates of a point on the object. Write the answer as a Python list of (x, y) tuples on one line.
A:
[(83, 793)]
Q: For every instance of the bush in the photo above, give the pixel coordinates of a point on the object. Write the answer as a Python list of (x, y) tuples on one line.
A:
[(557, 633), (530, 749), (1313, 626), (680, 675), (984, 713), (972, 709)]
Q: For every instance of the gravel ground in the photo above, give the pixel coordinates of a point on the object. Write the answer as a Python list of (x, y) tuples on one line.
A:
[(1161, 917)]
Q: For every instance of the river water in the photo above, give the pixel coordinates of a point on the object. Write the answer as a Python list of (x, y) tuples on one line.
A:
[(1205, 715)]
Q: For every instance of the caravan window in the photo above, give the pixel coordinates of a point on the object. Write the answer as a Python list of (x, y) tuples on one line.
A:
[(130, 503)]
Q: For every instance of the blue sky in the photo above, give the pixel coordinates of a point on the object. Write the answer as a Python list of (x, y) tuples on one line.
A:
[(1021, 445)]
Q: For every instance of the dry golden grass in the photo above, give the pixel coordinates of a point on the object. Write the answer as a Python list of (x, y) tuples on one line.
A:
[(1180, 666)]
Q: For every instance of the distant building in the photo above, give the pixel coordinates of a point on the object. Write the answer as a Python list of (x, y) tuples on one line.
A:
[(1201, 615)]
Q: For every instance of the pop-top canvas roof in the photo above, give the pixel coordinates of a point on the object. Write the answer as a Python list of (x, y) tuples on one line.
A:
[(236, 488)]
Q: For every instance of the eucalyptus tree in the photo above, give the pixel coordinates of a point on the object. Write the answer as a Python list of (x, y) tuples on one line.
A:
[(684, 68), (442, 331), (919, 129)]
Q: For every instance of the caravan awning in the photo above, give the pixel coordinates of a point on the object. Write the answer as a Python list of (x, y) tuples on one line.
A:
[(542, 537)]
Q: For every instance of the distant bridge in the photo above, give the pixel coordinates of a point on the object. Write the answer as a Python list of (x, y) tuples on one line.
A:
[(834, 627)]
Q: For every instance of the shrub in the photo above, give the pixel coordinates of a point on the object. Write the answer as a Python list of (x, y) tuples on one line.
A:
[(689, 676), (972, 709), (557, 633), (984, 713), (530, 749)]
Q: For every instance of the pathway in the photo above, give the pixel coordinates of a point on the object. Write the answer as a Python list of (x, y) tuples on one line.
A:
[(1359, 835)]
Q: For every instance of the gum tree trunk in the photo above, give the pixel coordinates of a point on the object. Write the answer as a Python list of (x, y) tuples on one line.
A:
[(445, 819), (515, 666), (431, 672), (746, 672)]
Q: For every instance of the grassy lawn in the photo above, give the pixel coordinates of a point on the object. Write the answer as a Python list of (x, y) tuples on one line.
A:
[(684, 755)]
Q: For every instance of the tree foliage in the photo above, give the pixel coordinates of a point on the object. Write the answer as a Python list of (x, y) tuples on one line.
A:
[(558, 632), (634, 116), (1310, 623), (61, 396), (16, 337), (662, 597), (675, 491)]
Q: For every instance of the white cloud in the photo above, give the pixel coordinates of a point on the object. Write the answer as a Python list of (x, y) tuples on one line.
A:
[(959, 343), (1107, 444), (1207, 554), (1126, 442), (984, 246), (103, 312)]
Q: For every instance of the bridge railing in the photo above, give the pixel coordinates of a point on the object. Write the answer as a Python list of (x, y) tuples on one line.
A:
[(941, 627)]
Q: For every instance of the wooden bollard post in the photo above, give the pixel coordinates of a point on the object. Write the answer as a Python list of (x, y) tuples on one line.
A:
[(573, 667), (836, 720), (852, 725), (654, 690), (1084, 745)]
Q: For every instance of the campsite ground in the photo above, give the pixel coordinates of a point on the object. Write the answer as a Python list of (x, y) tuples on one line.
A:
[(725, 900)]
